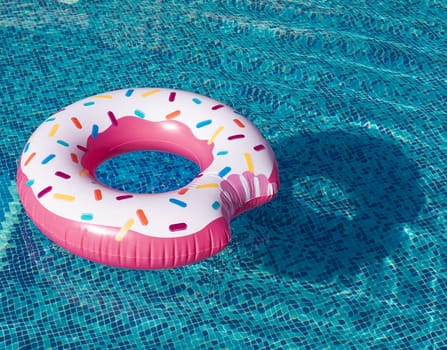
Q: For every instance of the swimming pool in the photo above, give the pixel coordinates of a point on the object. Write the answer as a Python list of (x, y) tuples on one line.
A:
[(353, 99)]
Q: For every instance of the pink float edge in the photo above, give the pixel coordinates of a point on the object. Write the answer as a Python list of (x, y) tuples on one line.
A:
[(135, 251)]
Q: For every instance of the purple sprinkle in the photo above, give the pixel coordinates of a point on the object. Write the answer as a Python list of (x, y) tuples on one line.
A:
[(62, 175), (172, 96), (44, 191), (125, 196), (82, 148), (112, 118), (216, 107), (259, 147), (235, 137), (178, 227)]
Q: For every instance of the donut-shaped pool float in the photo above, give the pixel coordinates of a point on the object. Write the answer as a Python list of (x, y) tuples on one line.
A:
[(60, 192)]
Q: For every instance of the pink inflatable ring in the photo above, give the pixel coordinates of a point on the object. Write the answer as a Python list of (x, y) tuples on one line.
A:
[(60, 193)]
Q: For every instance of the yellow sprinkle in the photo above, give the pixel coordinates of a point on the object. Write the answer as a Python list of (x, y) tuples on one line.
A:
[(54, 130), (65, 197), (127, 226), (148, 93), (217, 132), (249, 162), (210, 185), (102, 96), (83, 172)]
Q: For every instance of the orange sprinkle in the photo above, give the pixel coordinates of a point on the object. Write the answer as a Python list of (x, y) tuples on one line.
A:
[(31, 156), (239, 123), (74, 158), (183, 190), (98, 194), (173, 114), (142, 217), (53, 130), (83, 172), (76, 122)]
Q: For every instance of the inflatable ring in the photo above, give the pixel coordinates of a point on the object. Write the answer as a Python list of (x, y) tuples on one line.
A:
[(60, 193)]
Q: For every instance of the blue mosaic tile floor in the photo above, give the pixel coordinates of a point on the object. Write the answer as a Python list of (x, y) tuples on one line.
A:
[(353, 98)]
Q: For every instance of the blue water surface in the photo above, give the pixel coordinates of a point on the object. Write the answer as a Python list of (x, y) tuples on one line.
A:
[(352, 96)]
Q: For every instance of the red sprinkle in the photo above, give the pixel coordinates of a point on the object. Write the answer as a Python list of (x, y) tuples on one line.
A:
[(74, 158), (183, 190), (98, 194), (76, 122), (239, 123)]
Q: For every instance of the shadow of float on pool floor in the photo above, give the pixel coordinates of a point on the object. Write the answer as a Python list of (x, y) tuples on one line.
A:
[(343, 199)]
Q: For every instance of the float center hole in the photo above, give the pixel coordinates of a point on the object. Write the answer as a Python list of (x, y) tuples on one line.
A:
[(147, 172)]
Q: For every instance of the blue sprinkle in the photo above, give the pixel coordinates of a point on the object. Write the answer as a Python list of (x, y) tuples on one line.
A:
[(224, 171), (48, 158), (63, 143), (221, 153), (203, 123), (178, 202), (87, 216), (30, 182), (26, 148), (95, 130), (215, 205), (50, 120), (129, 92), (139, 113), (196, 101), (91, 103)]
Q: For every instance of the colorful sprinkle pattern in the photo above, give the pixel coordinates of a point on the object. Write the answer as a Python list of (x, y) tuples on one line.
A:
[(54, 165)]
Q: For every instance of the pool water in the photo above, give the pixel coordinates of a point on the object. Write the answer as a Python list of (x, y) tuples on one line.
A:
[(352, 96)]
